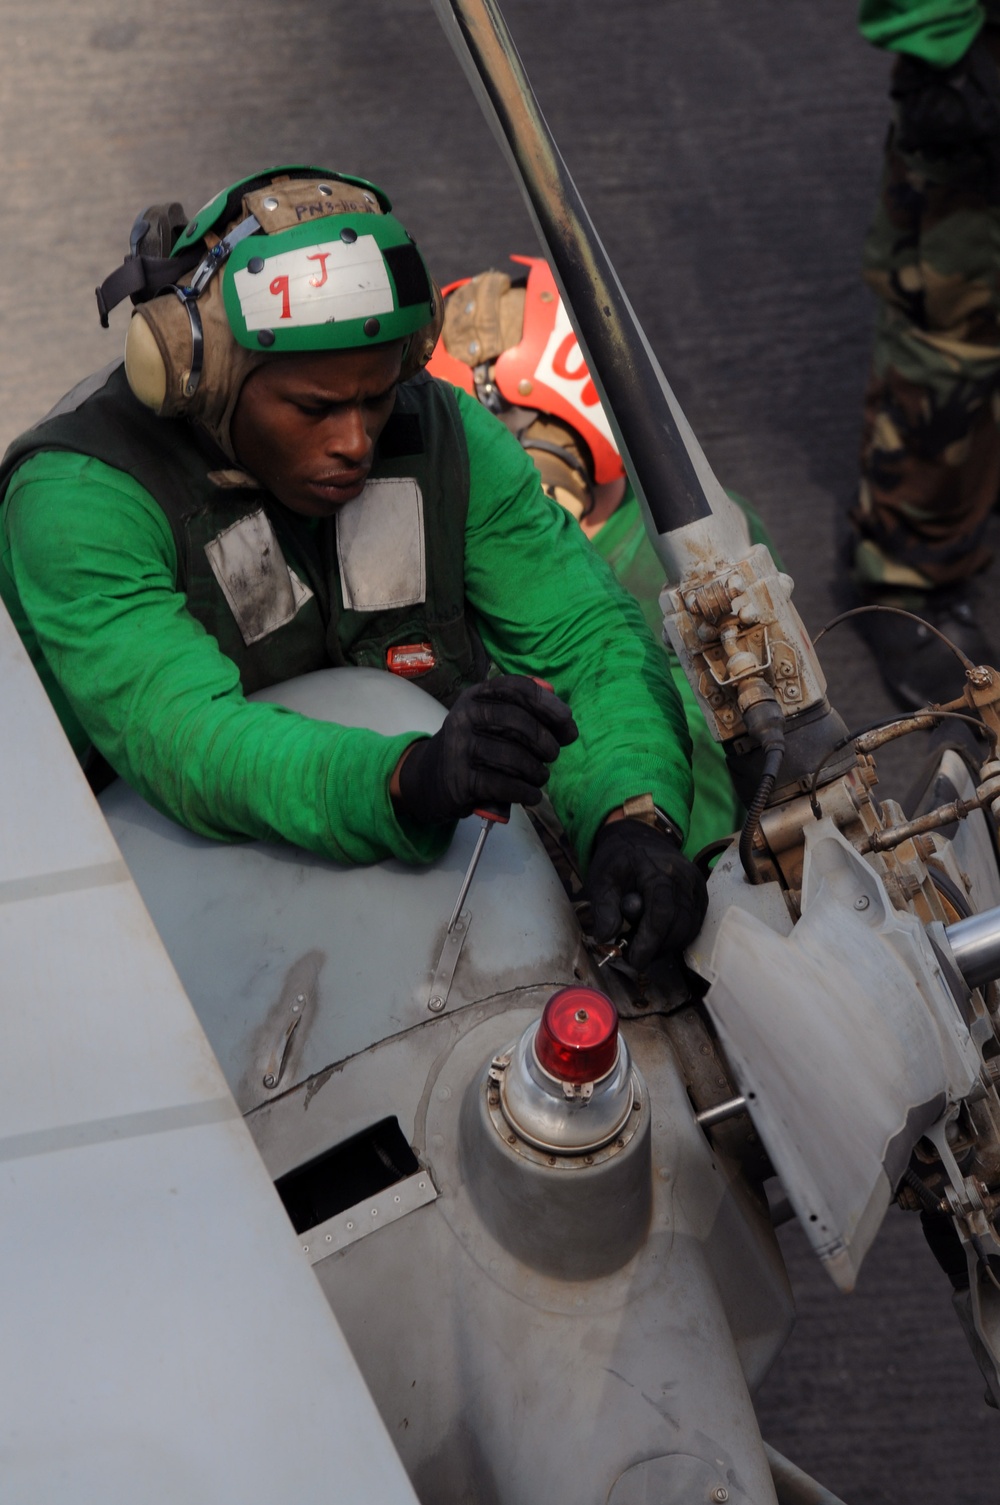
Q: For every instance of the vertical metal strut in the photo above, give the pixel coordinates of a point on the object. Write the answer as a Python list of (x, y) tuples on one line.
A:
[(667, 465)]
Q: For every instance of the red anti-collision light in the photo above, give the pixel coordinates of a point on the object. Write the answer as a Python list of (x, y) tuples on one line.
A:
[(577, 1040)]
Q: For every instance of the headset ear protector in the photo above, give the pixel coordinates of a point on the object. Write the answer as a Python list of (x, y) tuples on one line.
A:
[(165, 347), (186, 315)]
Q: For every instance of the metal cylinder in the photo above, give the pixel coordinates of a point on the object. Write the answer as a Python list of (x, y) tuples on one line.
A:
[(537, 1109), (792, 1486), (975, 945), (575, 1217)]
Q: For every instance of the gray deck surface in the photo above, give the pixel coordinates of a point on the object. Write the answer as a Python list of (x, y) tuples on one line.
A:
[(728, 151)]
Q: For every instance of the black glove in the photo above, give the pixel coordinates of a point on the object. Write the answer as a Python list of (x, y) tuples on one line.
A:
[(631, 858), (945, 111), (494, 748)]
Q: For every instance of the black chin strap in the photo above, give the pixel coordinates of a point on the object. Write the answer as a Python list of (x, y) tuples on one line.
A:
[(141, 278)]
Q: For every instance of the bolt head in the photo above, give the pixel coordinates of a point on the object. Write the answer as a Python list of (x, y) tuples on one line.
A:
[(524, 386), (720, 1494), (435, 1005)]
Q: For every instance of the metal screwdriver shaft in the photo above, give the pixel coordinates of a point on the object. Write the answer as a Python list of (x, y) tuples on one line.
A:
[(492, 815), (489, 821)]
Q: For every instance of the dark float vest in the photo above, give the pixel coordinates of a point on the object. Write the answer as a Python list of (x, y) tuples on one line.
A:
[(423, 440)]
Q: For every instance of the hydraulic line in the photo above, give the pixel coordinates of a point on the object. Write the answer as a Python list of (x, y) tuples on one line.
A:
[(765, 723), (772, 764)]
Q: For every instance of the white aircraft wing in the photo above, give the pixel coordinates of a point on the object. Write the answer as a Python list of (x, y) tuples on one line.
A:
[(163, 1338)]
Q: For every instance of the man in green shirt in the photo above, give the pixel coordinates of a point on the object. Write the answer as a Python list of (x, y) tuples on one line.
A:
[(270, 485), (508, 341), (930, 454)]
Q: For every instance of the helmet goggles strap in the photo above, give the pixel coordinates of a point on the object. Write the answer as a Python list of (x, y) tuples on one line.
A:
[(143, 277)]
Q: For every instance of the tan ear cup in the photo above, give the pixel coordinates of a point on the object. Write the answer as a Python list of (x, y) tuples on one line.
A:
[(144, 368), (158, 355), (563, 462), (420, 346)]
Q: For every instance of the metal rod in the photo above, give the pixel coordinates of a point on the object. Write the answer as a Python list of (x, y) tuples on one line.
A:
[(792, 1486), (975, 945), (667, 465), (944, 815), (733, 1106), (470, 873)]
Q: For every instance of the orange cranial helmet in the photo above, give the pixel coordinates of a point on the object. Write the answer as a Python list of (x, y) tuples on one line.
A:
[(511, 344)]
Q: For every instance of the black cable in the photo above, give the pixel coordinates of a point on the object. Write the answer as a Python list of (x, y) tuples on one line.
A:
[(772, 764), (922, 1190), (898, 611)]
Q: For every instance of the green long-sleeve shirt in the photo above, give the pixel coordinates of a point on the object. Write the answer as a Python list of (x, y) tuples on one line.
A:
[(939, 31), (88, 572)]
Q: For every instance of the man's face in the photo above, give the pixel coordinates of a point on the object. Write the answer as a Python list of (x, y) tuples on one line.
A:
[(305, 426)]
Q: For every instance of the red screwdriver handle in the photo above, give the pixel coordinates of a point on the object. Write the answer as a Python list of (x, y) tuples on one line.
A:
[(501, 813)]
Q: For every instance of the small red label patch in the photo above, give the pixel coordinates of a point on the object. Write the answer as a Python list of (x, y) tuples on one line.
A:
[(410, 659)]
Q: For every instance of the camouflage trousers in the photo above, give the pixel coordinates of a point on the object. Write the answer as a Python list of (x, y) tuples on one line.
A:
[(930, 455)]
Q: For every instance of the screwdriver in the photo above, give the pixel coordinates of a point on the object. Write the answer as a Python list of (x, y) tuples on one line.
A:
[(491, 815)]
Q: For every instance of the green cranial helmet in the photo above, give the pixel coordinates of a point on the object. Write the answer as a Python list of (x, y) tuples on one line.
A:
[(296, 259), (313, 261)]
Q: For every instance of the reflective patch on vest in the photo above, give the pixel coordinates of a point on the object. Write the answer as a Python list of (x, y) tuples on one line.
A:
[(380, 546), (263, 593)]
